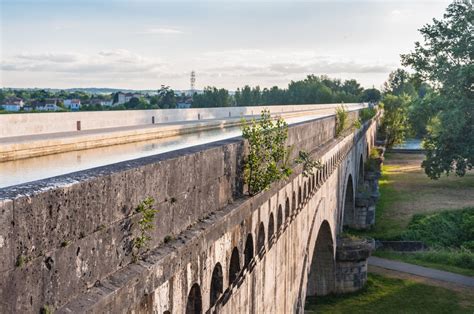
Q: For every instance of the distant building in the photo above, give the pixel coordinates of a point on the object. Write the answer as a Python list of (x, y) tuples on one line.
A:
[(122, 98), (183, 105), (49, 105), (72, 104), (103, 103), (13, 104)]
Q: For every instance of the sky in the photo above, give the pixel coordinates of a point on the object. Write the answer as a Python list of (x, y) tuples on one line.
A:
[(143, 44)]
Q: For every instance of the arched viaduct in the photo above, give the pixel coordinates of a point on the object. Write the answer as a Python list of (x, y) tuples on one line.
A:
[(260, 254)]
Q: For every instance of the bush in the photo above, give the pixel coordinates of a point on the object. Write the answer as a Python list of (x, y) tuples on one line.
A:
[(267, 160), (367, 113), (450, 229), (341, 119)]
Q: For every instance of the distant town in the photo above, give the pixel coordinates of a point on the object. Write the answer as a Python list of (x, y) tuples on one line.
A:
[(39, 100), (312, 90)]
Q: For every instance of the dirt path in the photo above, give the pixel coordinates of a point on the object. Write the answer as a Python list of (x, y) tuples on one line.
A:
[(428, 281)]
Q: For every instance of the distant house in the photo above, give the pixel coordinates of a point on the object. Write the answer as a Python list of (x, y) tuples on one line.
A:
[(183, 105), (106, 103), (103, 103), (13, 104), (72, 104), (49, 105), (122, 98)]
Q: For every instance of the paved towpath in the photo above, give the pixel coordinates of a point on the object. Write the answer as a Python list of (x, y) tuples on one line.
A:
[(422, 271)]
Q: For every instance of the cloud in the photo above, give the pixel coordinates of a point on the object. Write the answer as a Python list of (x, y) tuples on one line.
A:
[(395, 13), (162, 31), (258, 63), (104, 62), (48, 57)]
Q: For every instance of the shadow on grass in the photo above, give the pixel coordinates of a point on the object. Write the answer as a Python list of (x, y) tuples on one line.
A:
[(388, 295)]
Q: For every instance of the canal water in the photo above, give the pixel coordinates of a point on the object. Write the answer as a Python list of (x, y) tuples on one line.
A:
[(37, 168)]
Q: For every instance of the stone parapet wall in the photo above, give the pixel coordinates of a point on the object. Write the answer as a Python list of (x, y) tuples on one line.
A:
[(54, 122), (61, 236)]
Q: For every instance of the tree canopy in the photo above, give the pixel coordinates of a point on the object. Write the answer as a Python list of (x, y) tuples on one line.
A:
[(444, 60)]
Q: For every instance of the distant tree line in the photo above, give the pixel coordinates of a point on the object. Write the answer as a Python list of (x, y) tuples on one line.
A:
[(312, 90)]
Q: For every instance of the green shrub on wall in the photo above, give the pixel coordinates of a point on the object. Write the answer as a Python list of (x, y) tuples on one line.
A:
[(267, 160)]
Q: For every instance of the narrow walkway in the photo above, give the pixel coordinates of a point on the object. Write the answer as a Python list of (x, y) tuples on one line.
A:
[(422, 271)]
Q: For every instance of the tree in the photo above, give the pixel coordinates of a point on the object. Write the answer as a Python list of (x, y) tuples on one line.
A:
[(445, 61), (267, 159), (372, 95), (399, 82), (166, 97), (395, 119), (212, 97)]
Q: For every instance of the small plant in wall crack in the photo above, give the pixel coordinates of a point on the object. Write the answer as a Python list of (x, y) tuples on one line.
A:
[(342, 118), (309, 165), (267, 160), (145, 224)]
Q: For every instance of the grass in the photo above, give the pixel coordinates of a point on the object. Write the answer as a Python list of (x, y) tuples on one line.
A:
[(414, 207), (405, 190), (389, 295)]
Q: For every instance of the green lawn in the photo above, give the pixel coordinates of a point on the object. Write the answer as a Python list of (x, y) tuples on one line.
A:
[(387, 295), (414, 207), (405, 190)]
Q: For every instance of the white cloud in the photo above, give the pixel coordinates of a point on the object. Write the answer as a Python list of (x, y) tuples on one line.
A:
[(162, 31), (395, 13), (104, 62), (258, 63)]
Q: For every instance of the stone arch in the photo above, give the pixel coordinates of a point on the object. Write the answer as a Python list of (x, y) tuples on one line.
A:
[(348, 211), (360, 179), (305, 191), (321, 278), (271, 229), (234, 265), (261, 239), (194, 303), (248, 251), (279, 218), (287, 208), (217, 284)]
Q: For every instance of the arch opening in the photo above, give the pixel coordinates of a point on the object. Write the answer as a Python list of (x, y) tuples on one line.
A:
[(293, 202), (321, 278), (349, 203), (194, 303), (234, 267), (361, 170), (271, 229), (261, 239), (248, 252), (300, 197), (287, 208), (279, 218), (217, 284)]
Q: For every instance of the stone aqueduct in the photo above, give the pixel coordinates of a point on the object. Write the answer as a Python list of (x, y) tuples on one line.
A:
[(214, 249)]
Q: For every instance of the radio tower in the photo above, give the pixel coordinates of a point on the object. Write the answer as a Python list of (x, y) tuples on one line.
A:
[(193, 81)]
